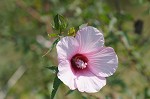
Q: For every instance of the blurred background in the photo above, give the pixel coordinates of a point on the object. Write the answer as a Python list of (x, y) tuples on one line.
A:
[(25, 24)]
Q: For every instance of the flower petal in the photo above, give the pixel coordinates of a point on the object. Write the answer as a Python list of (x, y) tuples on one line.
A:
[(89, 39), (88, 82), (66, 75), (66, 48), (104, 62)]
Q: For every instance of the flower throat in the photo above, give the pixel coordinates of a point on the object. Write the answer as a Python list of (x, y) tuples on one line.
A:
[(79, 61)]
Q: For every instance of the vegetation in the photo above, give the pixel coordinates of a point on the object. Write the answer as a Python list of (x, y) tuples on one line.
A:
[(24, 42)]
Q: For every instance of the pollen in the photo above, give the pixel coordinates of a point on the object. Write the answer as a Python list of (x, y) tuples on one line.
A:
[(80, 64)]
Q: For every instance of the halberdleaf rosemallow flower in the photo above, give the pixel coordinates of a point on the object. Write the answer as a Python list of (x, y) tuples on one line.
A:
[(84, 61)]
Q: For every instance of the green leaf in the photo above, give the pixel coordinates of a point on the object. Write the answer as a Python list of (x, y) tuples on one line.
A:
[(69, 92), (56, 22), (53, 45), (60, 22), (53, 35), (64, 23), (56, 84), (53, 68)]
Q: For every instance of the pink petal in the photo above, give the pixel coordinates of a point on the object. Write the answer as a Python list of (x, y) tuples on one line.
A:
[(66, 48), (104, 62), (66, 75), (89, 39), (88, 82)]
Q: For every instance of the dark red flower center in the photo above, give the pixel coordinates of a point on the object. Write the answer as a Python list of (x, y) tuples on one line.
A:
[(79, 61)]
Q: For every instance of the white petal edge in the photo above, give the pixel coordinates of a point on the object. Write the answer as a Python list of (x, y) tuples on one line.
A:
[(66, 75), (88, 82), (89, 39), (103, 62), (66, 48)]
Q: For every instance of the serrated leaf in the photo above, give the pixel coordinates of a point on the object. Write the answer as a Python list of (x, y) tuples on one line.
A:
[(53, 68), (52, 46), (83, 25), (71, 32), (53, 35), (69, 92), (56, 84)]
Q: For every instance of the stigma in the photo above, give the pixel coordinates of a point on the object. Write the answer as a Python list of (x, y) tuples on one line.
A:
[(80, 64)]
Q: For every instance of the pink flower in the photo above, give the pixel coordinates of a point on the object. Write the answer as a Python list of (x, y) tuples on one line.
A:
[(84, 62)]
